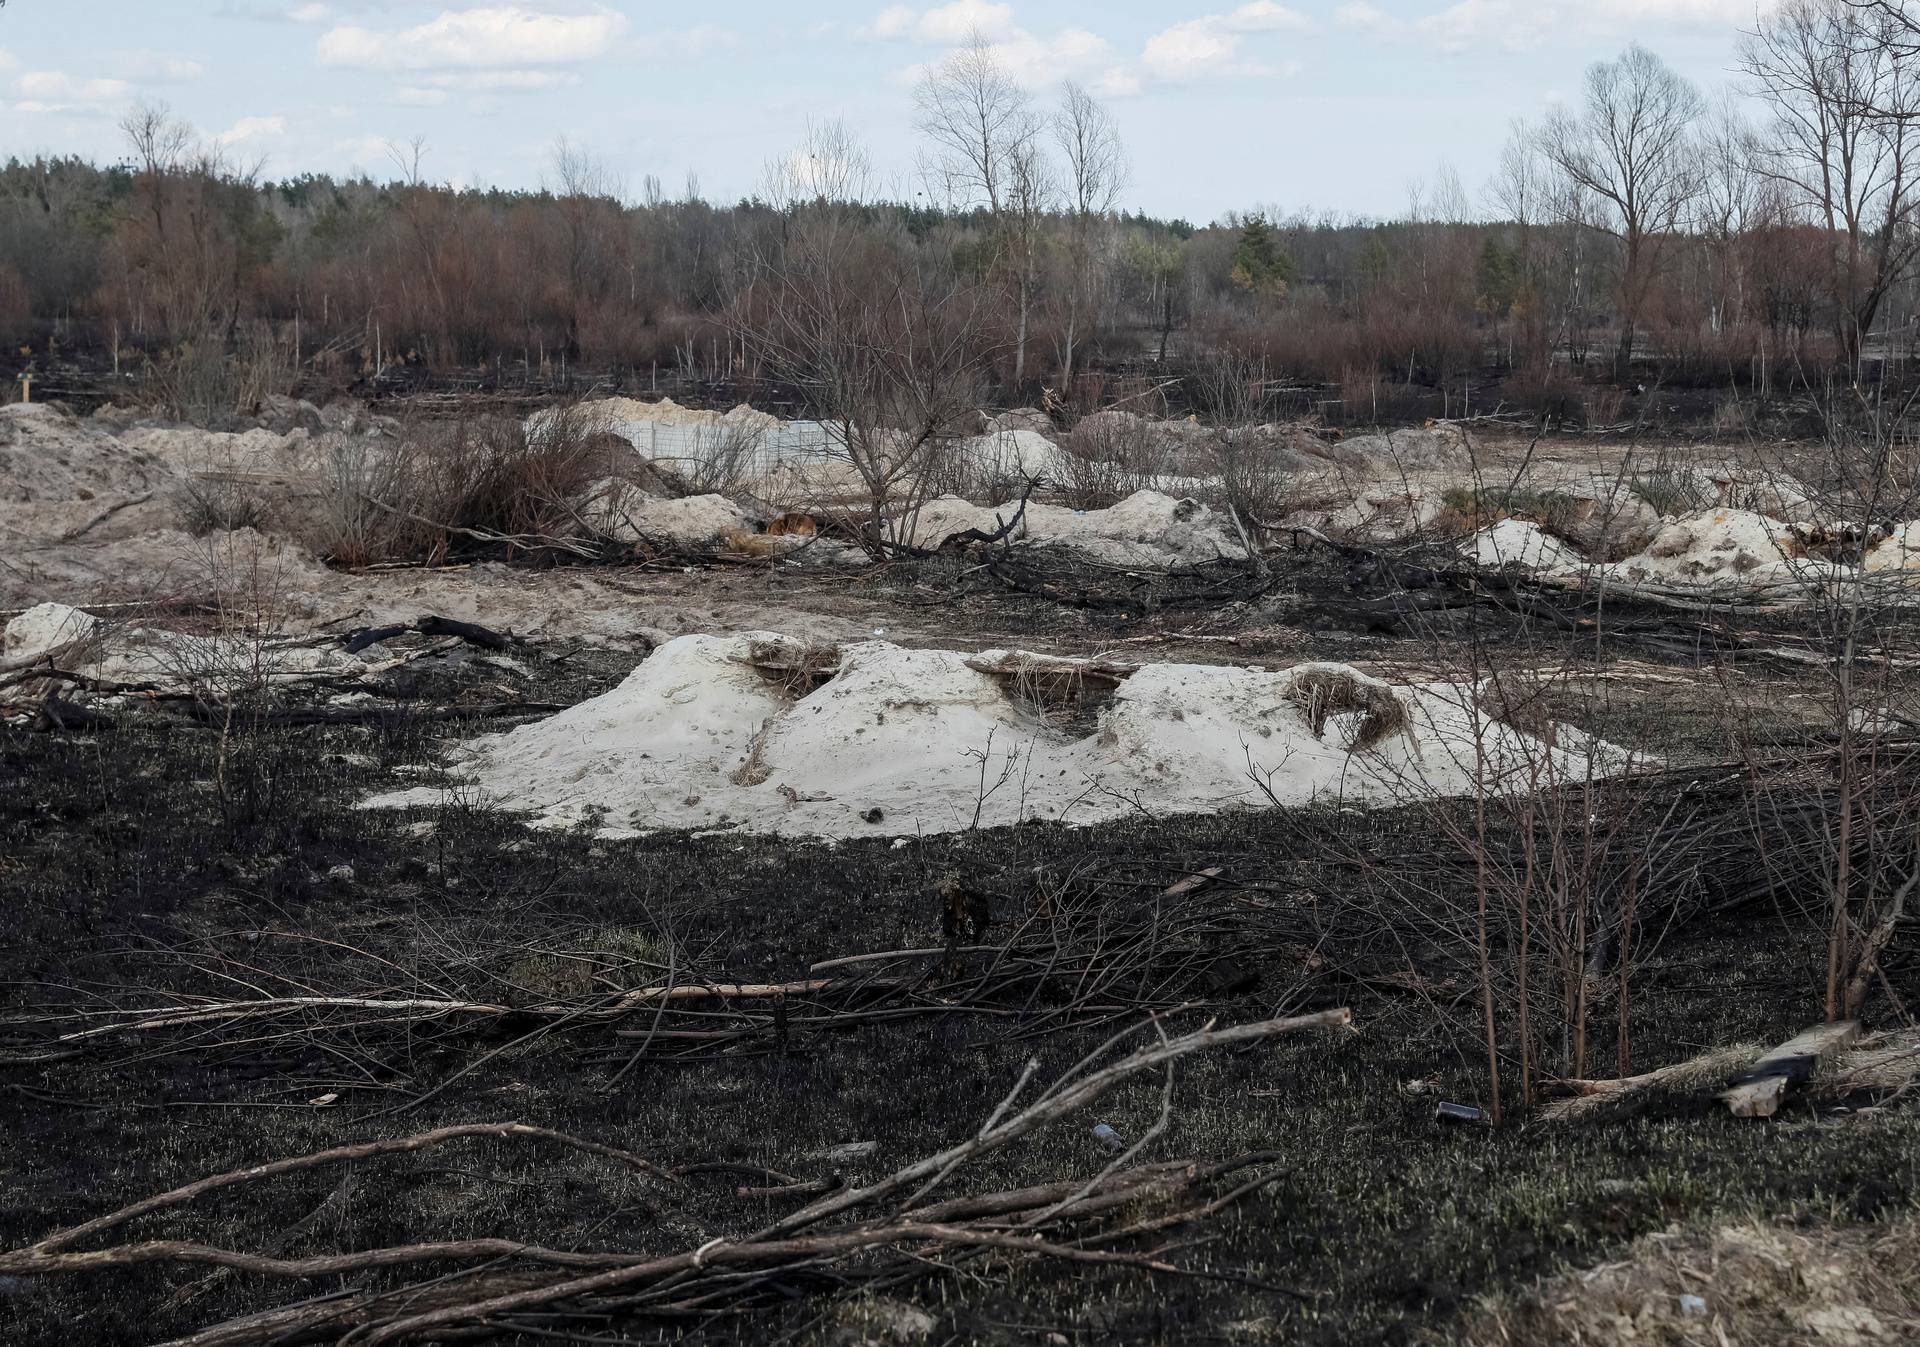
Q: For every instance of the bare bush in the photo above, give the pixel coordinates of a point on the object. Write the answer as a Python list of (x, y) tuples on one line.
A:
[(1111, 455), (488, 480), (1253, 464), (203, 382)]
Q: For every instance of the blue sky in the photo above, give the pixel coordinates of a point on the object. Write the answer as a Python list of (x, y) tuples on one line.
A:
[(1326, 104)]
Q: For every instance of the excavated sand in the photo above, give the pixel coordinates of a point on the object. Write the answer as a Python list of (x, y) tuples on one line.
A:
[(900, 742), (620, 413), (1520, 542), (107, 652), (1147, 529)]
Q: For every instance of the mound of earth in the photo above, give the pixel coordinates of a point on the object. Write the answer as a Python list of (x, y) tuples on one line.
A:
[(1520, 542), (63, 478), (1147, 529), (1718, 545), (764, 734), (620, 414), (1443, 444), (1015, 453), (628, 514), (140, 657)]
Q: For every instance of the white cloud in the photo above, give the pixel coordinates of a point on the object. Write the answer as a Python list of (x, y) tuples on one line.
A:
[(1264, 16), (503, 81), (1210, 46), (1190, 50), (252, 128), (1360, 14), (54, 86), (488, 38), (946, 25), (1520, 25), (697, 40), (1205, 47), (152, 67), (370, 154), (309, 14)]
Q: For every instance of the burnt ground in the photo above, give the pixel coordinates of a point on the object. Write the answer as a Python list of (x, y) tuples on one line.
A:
[(159, 855)]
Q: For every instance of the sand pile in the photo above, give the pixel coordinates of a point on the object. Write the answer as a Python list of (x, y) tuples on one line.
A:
[(1717, 546), (761, 733), (1520, 542), (1008, 455), (1147, 529), (1899, 551), (1442, 444), (63, 478), (621, 414), (628, 514), (140, 657)]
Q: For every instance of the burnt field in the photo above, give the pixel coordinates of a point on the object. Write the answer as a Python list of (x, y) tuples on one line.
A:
[(556, 1085)]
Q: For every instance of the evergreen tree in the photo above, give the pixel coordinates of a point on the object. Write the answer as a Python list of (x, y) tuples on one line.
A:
[(1260, 265)]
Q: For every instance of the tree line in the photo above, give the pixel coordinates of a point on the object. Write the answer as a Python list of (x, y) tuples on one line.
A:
[(1645, 230)]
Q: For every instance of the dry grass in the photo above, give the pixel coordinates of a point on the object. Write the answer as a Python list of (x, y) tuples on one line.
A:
[(1748, 1284), (475, 477), (1696, 1077), (1321, 691)]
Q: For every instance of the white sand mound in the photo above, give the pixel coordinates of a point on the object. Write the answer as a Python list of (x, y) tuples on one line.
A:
[(898, 741), (630, 515), (1016, 453), (1520, 542), (1147, 529), (61, 477), (1717, 546), (107, 652), (1020, 418), (622, 414), (43, 628), (1899, 551), (1443, 444)]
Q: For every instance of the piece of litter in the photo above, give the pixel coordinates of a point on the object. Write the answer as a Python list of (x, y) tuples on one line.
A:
[(1692, 1305), (1107, 1137), (1457, 1112)]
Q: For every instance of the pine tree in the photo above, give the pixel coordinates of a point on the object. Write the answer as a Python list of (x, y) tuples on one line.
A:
[(1260, 265)]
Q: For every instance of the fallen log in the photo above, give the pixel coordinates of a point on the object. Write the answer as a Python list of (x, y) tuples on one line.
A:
[(1759, 1089), (429, 625)]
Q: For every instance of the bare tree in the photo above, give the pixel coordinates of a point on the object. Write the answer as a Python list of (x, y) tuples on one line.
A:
[(887, 356), (1521, 190), (1096, 173), (1630, 151), (1846, 105), (1733, 199), (829, 166), (986, 153), (584, 189)]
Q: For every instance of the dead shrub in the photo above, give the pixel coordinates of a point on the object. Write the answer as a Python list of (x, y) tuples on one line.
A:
[(476, 479), (1112, 454), (1323, 690), (202, 382), (213, 504)]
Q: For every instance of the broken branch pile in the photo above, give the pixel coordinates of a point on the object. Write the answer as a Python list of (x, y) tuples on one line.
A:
[(879, 1233)]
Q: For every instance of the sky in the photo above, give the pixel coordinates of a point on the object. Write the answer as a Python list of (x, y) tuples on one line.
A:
[(1343, 106)]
